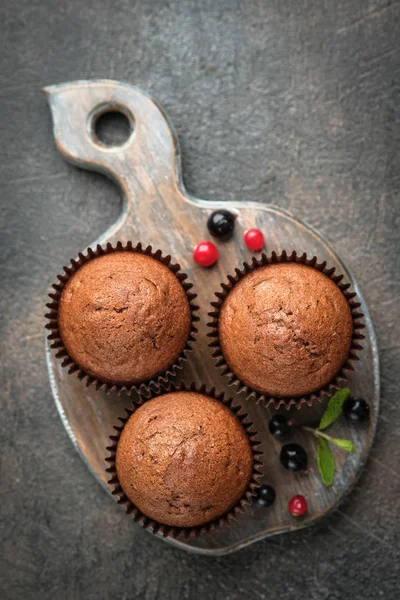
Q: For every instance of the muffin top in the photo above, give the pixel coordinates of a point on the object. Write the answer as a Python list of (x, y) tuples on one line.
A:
[(184, 459), (285, 329), (124, 317)]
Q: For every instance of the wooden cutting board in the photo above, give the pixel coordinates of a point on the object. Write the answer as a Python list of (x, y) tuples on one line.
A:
[(158, 211)]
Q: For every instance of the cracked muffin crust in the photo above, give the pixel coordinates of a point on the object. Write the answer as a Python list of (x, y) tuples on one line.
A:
[(285, 329), (124, 317), (184, 459)]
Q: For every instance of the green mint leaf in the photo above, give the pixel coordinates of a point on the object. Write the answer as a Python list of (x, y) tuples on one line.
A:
[(326, 462), (334, 408), (344, 444)]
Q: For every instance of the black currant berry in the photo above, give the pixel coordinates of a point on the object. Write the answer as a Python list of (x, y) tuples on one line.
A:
[(293, 457), (279, 426), (221, 223), (265, 496), (356, 410)]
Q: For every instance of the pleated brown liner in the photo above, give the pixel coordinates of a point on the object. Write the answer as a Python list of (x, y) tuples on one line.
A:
[(339, 379), (216, 524), (55, 335)]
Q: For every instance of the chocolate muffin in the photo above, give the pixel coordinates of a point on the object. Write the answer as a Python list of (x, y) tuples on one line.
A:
[(184, 459), (285, 329), (124, 317)]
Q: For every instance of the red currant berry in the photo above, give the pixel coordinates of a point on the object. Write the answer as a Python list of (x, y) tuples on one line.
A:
[(254, 239), (205, 254), (298, 505)]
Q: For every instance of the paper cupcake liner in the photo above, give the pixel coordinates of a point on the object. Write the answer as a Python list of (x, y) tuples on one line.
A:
[(216, 524), (55, 335), (340, 377)]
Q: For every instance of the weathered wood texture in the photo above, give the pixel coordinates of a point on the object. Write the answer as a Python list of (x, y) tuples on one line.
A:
[(159, 212), (292, 103)]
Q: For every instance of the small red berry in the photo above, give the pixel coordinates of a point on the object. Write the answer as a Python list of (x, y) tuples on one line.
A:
[(205, 254), (254, 239), (298, 505)]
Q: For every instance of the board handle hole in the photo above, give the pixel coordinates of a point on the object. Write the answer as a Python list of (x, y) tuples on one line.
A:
[(112, 126)]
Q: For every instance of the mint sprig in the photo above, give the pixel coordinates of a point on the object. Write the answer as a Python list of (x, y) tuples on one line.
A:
[(325, 458), (334, 408), (326, 462), (344, 444)]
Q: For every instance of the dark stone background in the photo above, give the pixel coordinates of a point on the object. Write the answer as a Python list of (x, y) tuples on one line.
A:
[(289, 102)]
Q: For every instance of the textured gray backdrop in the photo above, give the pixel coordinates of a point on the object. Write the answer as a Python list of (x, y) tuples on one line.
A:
[(293, 102)]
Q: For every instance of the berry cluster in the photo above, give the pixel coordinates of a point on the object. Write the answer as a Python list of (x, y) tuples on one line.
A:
[(294, 457), (266, 497), (221, 224)]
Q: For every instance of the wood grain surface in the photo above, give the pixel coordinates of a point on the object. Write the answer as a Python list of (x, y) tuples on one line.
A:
[(159, 212), (294, 104)]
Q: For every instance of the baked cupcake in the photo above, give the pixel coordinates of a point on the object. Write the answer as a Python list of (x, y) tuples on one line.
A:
[(184, 460), (285, 327), (122, 316)]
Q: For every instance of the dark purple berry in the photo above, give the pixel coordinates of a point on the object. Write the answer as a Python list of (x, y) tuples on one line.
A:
[(279, 426), (265, 496), (221, 223), (293, 457), (356, 410)]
